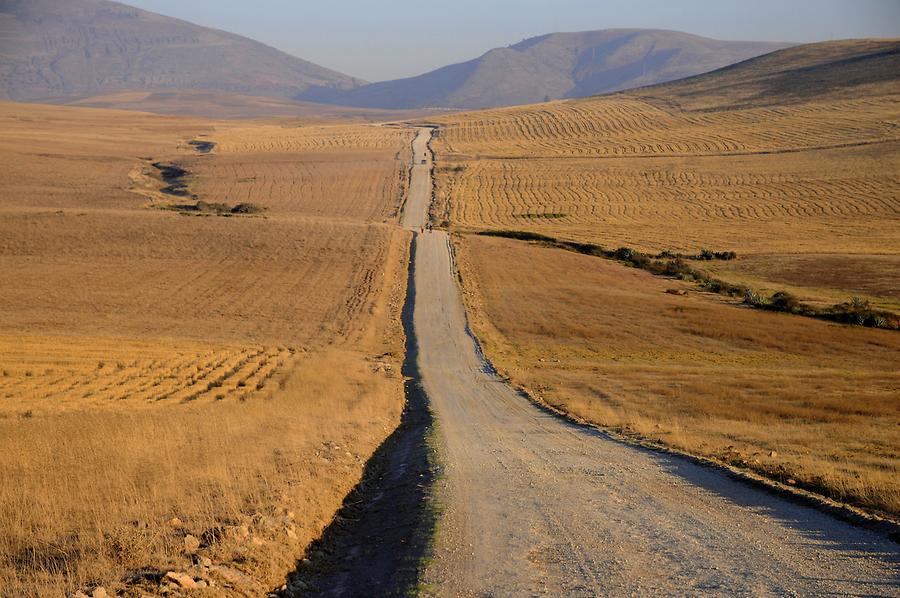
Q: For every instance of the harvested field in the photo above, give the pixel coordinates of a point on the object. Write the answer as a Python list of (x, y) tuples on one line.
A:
[(789, 397), (220, 105), (230, 374), (352, 172), (737, 160), (97, 496), (831, 202), (143, 272), (76, 158), (52, 375), (819, 278), (624, 126)]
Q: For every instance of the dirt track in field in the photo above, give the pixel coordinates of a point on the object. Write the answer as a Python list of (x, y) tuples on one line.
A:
[(534, 505)]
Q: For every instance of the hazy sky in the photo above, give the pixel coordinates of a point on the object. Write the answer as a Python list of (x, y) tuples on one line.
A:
[(386, 39)]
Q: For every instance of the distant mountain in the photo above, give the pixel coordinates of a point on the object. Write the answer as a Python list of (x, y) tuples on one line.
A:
[(555, 66), (51, 48)]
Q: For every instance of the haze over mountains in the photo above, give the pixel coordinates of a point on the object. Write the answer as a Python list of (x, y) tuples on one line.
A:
[(51, 48), (555, 66)]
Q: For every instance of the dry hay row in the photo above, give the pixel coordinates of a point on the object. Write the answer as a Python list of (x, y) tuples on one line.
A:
[(176, 374), (244, 375), (871, 108), (285, 139), (494, 193), (576, 120), (179, 378), (630, 127), (688, 141), (554, 126), (366, 190)]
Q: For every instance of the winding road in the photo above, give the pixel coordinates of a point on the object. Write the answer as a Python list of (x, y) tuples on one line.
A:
[(533, 505)]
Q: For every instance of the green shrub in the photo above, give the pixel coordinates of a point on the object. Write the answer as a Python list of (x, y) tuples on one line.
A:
[(516, 234), (754, 299), (624, 253), (247, 208), (709, 255), (784, 301), (677, 267)]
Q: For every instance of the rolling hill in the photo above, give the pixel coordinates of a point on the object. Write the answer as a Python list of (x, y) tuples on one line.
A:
[(848, 69), (555, 66), (50, 49)]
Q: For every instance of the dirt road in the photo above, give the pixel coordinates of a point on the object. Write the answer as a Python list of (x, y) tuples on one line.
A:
[(418, 199), (534, 505)]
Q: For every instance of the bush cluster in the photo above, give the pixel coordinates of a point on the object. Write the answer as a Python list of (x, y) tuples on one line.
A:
[(707, 255), (219, 209), (856, 312)]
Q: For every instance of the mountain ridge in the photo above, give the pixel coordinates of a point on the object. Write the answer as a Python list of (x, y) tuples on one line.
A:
[(553, 66), (50, 49)]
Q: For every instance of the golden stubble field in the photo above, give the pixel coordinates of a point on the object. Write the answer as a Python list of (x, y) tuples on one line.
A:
[(177, 386), (688, 166), (791, 161)]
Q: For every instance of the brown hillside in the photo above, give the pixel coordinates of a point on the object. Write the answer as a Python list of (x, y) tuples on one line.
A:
[(78, 47)]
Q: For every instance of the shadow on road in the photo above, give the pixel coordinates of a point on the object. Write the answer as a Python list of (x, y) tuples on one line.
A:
[(376, 543)]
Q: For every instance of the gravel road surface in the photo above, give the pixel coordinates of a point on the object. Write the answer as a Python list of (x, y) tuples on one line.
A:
[(534, 505)]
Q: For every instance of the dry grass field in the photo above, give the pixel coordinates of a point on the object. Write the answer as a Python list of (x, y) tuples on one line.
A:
[(168, 376), (52, 375), (790, 160), (821, 202), (738, 160), (786, 396), (304, 170)]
